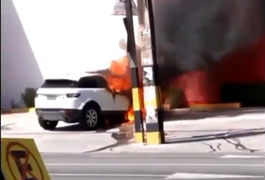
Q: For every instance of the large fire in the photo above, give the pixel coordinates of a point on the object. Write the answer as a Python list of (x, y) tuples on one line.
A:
[(119, 81)]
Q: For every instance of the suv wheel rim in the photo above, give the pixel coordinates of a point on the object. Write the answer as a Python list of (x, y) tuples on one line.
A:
[(91, 118)]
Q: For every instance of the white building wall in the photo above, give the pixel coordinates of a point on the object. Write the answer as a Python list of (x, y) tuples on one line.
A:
[(47, 38)]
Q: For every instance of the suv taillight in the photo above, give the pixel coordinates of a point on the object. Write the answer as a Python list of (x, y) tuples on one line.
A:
[(74, 95)]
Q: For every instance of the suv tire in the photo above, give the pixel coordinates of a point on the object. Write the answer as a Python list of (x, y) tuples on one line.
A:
[(90, 118), (47, 125)]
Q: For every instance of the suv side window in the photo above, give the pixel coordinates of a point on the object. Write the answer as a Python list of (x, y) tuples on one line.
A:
[(92, 82)]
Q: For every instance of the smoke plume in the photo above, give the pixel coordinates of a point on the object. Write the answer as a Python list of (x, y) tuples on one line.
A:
[(196, 34)]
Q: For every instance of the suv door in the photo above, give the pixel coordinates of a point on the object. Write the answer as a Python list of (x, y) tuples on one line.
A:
[(99, 86), (96, 89)]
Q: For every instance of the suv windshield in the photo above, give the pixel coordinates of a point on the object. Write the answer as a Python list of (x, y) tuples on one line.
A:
[(92, 82), (84, 82), (59, 83)]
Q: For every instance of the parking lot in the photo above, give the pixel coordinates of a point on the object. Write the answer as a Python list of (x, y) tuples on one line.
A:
[(70, 138)]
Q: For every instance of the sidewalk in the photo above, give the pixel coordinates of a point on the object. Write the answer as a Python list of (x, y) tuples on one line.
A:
[(211, 124), (208, 135), (66, 139), (253, 144), (217, 126), (222, 133)]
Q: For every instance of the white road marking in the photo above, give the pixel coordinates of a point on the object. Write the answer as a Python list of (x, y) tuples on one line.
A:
[(208, 176), (151, 164), (106, 175), (238, 156), (146, 155)]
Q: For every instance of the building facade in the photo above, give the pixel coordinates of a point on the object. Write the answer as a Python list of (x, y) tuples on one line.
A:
[(46, 39)]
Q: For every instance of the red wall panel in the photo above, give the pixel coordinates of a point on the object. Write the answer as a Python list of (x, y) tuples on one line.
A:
[(243, 66)]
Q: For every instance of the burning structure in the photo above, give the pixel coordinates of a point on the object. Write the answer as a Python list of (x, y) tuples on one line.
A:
[(210, 49), (203, 48)]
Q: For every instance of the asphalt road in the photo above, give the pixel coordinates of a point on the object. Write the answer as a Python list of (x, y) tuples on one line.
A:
[(153, 166)]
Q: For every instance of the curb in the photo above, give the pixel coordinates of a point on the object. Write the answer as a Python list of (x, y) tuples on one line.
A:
[(18, 111)]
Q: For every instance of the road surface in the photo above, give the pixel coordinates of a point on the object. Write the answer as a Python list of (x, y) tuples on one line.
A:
[(142, 166)]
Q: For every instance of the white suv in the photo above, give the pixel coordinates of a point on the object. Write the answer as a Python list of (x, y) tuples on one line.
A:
[(84, 99)]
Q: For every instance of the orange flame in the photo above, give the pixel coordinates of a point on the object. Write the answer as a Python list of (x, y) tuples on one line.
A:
[(130, 115), (119, 81)]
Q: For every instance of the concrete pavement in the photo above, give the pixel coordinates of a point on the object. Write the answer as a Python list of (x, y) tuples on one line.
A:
[(103, 166), (26, 126), (251, 144), (211, 134)]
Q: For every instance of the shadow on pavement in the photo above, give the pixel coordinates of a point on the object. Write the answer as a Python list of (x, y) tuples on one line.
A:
[(121, 138), (76, 127), (215, 136), (6, 126), (231, 137)]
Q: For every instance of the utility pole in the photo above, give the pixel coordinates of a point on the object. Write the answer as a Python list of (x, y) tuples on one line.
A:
[(151, 89), (134, 71)]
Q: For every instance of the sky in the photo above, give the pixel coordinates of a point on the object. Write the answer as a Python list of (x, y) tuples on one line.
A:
[(71, 33)]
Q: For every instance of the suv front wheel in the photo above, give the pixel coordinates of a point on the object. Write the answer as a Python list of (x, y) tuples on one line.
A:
[(47, 125)]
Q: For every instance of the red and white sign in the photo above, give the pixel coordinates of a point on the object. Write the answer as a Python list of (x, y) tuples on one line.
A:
[(119, 8)]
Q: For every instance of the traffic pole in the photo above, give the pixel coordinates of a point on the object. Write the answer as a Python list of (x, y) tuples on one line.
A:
[(152, 98), (136, 85), (2, 175)]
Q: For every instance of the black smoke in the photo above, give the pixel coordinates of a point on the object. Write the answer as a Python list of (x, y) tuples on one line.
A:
[(196, 34)]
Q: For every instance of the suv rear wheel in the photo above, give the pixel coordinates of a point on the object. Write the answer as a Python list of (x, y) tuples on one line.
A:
[(91, 118), (47, 125)]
